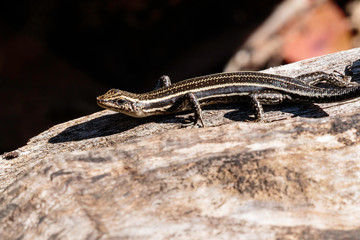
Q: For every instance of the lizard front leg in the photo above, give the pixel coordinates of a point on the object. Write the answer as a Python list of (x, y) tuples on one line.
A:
[(265, 97), (195, 105), (164, 81)]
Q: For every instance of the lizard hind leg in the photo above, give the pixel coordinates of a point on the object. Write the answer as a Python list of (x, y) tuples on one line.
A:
[(334, 79)]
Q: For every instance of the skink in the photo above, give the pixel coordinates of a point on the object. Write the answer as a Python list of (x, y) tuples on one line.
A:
[(256, 87)]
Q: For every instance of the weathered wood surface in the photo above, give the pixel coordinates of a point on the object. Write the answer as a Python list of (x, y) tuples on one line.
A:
[(108, 176)]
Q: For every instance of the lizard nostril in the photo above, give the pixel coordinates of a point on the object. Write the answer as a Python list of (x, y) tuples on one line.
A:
[(100, 99)]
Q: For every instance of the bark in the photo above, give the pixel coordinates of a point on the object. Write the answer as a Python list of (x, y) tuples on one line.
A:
[(109, 176)]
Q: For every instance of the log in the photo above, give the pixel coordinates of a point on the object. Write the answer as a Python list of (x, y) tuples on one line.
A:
[(109, 176)]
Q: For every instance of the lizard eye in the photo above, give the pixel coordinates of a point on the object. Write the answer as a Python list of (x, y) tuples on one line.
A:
[(120, 101)]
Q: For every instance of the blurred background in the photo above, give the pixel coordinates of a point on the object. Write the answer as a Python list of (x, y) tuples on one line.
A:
[(56, 56)]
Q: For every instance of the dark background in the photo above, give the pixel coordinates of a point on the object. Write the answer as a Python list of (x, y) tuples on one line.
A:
[(56, 56)]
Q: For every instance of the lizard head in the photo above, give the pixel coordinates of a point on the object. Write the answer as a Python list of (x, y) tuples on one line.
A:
[(121, 101)]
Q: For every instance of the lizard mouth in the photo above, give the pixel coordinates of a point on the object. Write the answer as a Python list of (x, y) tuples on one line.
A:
[(103, 103), (100, 101), (111, 106)]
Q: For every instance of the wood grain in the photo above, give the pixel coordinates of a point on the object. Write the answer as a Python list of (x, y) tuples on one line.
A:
[(109, 176)]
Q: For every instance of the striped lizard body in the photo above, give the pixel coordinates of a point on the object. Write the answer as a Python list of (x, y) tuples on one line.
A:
[(258, 88)]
